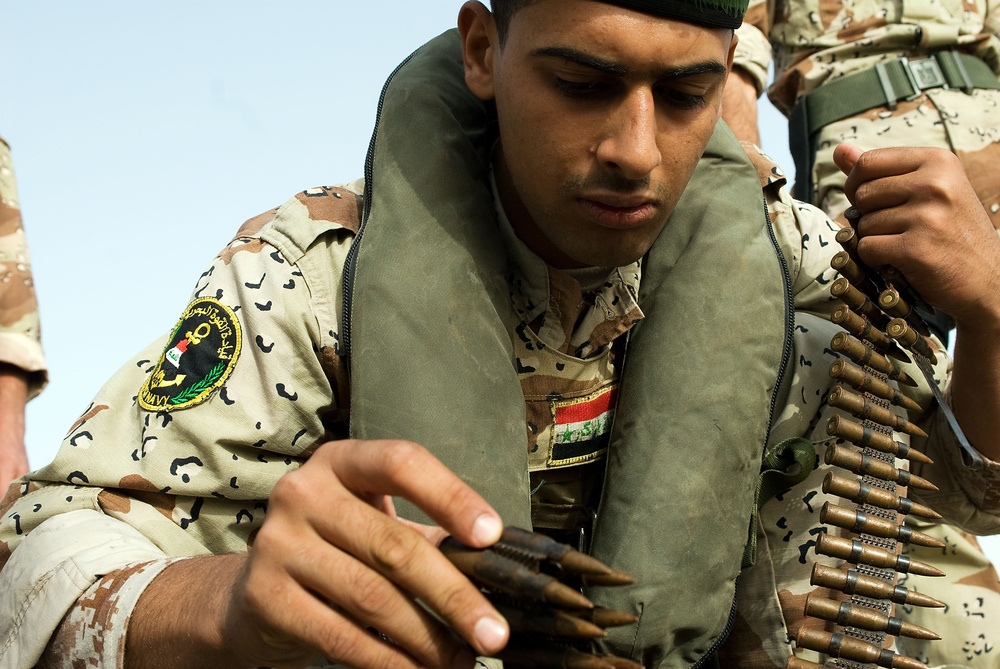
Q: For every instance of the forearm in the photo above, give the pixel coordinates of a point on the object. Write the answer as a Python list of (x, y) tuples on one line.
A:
[(179, 620), (13, 397), (975, 387), (739, 107)]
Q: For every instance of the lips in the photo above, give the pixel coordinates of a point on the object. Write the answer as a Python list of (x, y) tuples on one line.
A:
[(620, 212)]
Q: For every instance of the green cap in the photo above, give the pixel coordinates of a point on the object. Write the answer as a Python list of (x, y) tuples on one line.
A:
[(711, 13)]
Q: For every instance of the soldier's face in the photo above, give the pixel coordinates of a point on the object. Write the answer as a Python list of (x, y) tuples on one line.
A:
[(603, 112)]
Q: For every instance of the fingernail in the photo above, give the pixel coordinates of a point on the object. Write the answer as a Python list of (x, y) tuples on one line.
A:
[(487, 529), (491, 634)]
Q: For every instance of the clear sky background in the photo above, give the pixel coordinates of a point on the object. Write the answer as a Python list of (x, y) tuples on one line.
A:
[(144, 134)]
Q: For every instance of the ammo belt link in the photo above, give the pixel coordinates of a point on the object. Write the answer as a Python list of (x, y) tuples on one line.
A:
[(883, 85)]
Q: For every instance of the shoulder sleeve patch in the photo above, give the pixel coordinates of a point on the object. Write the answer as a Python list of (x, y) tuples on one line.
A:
[(337, 205), (767, 170), (198, 358)]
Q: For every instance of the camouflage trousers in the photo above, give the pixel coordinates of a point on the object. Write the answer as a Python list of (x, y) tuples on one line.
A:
[(969, 126)]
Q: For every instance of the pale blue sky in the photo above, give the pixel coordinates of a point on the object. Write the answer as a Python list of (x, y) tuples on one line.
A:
[(144, 134)]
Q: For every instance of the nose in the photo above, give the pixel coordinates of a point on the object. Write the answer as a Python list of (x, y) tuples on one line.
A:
[(629, 143)]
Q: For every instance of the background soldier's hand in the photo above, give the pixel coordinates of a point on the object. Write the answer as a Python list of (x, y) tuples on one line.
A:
[(331, 563), (921, 215)]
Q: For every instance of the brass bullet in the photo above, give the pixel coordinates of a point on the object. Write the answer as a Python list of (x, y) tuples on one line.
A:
[(860, 522), (858, 302), (550, 622), (847, 614), (866, 356), (862, 407), (796, 663), (853, 216), (852, 582), (866, 465), (848, 237), (893, 304), (909, 338), (858, 378), (849, 269), (862, 493), (856, 551), (509, 576), (896, 280), (840, 645), (603, 617), (864, 436), (540, 547), (862, 328)]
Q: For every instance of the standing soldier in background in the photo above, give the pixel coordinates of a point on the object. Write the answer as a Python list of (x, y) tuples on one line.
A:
[(22, 366), (879, 74)]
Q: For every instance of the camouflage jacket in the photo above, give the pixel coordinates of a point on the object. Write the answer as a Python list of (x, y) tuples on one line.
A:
[(814, 41), (20, 337)]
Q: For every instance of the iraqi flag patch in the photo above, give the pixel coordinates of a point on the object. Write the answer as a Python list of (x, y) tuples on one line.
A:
[(199, 357), (581, 427)]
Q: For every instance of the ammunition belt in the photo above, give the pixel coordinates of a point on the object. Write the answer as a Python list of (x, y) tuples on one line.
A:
[(883, 85), (881, 329)]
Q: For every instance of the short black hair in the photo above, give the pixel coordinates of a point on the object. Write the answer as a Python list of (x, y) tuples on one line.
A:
[(503, 12)]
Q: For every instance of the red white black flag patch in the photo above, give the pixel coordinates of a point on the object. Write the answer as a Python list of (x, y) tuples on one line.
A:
[(581, 427), (198, 358)]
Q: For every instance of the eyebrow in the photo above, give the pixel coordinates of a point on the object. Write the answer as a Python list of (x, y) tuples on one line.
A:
[(617, 69)]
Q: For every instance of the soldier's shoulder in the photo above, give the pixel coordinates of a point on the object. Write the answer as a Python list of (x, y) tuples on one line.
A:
[(310, 212)]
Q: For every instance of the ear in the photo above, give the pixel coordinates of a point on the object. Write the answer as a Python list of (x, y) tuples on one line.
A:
[(479, 48)]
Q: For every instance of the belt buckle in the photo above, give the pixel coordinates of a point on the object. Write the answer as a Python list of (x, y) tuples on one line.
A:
[(923, 73)]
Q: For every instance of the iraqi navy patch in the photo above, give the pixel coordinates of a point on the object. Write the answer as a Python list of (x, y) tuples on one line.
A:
[(198, 358)]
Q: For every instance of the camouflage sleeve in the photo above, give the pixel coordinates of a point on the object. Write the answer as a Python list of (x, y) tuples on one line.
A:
[(20, 339), (93, 632), (44, 577), (967, 498), (991, 21), (181, 448)]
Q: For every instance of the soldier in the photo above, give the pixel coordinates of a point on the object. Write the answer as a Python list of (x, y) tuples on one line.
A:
[(883, 74), (22, 366), (557, 290)]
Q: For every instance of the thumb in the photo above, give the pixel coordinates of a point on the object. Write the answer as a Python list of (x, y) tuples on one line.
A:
[(846, 157)]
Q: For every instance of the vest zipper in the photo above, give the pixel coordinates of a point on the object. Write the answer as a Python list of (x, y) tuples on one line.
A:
[(352, 253), (786, 349)]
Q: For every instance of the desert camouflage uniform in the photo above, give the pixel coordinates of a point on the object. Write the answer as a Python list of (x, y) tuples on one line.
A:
[(134, 489), (20, 343), (817, 42)]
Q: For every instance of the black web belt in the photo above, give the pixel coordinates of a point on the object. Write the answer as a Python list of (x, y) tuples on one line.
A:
[(884, 85)]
